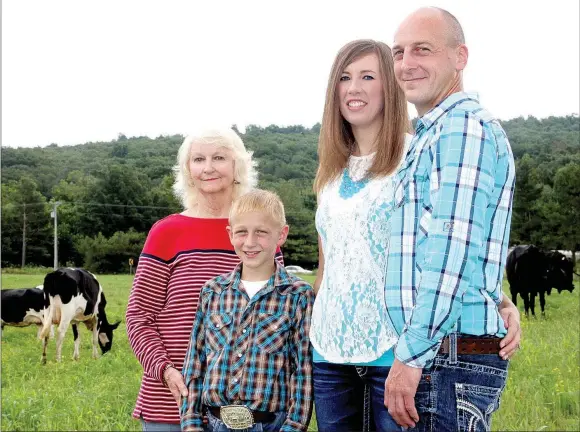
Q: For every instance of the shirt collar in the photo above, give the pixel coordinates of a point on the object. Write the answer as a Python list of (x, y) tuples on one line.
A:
[(438, 111), (281, 279)]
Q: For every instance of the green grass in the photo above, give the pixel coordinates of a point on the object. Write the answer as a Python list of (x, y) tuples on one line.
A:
[(542, 391)]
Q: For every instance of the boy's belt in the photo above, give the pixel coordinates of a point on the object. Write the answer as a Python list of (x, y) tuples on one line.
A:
[(472, 345), (240, 415)]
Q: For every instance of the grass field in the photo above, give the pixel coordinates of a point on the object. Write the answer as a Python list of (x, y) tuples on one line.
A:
[(542, 392)]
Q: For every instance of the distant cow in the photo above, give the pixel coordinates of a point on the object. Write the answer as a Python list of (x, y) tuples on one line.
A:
[(531, 271), (23, 307), (75, 296)]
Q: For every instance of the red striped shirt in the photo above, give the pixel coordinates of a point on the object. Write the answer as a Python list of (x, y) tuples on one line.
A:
[(181, 253)]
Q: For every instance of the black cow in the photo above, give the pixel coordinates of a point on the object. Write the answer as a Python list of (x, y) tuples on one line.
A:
[(23, 307), (531, 271), (75, 296)]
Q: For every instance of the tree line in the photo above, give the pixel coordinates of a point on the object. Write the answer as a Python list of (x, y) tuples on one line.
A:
[(110, 193)]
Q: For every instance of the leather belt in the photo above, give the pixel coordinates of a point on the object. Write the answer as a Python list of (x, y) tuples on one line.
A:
[(472, 345), (259, 416)]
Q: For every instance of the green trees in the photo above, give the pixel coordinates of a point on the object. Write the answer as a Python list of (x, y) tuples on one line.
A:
[(112, 192)]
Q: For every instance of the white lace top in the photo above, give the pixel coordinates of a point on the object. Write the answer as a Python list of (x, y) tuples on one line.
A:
[(349, 322)]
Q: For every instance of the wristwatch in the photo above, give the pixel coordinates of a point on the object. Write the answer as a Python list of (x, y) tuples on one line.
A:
[(167, 366)]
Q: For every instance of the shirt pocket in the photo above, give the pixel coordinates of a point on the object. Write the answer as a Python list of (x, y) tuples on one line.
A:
[(218, 331), (271, 332)]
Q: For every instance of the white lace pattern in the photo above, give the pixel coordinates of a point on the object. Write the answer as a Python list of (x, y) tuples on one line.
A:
[(349, 321)]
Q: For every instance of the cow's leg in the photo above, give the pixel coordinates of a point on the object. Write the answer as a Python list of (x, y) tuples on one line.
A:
[(514, 296), (533, 303), (77, 341), (543, 302), (60, 337), (526, 300), (44, 345), (93, 325)]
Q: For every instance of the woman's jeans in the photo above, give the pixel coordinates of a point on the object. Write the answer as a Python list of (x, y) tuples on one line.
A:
[(458, 392), (160, 427)]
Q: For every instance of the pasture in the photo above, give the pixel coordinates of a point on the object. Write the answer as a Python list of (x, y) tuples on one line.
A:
[(542, 392)]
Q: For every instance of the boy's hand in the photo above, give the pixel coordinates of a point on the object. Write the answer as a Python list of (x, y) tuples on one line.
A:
[(175, 384)]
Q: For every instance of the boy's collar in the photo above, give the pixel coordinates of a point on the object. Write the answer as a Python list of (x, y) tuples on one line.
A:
[(282, 279)]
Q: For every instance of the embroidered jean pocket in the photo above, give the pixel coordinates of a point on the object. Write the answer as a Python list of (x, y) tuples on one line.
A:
[(218, 331), (425, 395), (271, 332), (475, 404)]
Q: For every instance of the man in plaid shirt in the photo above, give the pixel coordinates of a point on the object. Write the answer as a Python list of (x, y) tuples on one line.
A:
[(248, 364), (450, 232)]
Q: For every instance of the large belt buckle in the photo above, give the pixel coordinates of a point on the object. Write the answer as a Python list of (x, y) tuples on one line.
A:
[(237, 416)]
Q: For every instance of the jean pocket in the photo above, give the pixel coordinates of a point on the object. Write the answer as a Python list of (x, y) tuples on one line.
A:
[(475, 405), (425, 396)]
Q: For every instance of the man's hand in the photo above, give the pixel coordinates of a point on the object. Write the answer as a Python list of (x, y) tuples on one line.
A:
[(400, 388), (511, 318), (175, 383)]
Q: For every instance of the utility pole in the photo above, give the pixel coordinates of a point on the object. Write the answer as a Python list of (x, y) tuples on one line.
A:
[(53, 214), (24, 237)]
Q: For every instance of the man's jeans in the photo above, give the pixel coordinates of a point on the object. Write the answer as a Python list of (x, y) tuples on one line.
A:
[(458, 392)]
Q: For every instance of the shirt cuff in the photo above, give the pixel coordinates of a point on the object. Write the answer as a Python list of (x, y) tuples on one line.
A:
[(195, 423), (292, 426), (416, 351)]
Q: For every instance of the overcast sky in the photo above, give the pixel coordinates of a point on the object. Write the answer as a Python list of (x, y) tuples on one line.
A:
[(79, 71)]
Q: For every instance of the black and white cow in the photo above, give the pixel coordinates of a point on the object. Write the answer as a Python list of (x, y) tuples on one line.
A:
[(23, 307), (532, 271), (72, 296)]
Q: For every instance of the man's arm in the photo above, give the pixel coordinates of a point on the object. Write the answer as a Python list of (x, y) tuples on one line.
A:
[(461, 182), (193, 370), (300, 407)]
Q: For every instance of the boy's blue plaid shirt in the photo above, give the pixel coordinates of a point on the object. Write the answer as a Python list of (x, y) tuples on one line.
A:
[(255, 353), (450, 229)]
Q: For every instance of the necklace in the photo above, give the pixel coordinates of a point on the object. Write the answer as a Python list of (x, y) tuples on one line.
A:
[(349, 187)]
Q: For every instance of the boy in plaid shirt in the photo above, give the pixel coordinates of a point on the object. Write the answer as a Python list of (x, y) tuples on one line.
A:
[(248, 365)]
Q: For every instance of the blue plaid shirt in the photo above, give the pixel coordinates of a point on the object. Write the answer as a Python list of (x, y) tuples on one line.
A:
[(450, 229), (253, 352)]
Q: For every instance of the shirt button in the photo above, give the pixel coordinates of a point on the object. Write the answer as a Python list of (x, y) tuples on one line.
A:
[(235, 380), (275, 327), (239, 355), (217, 326), (244, 330)]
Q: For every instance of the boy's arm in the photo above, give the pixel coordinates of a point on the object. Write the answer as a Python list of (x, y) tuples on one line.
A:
[(193, 370), (300, 406)]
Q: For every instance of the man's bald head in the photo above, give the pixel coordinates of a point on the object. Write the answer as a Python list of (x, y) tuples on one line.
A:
[(449, 24), (429, 56)]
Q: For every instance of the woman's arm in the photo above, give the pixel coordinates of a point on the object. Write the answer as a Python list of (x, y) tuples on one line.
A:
[(320, 271)]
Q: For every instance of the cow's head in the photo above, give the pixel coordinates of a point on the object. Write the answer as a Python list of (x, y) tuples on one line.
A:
[(560, 272), (106, 335)]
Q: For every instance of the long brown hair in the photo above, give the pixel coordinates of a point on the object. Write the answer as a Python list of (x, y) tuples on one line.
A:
[(336, 138)]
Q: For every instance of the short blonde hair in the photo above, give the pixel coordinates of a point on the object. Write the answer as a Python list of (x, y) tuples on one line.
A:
[(259, 200), (245, 174)]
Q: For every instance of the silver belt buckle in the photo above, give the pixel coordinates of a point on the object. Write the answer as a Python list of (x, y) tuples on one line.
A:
[(237, 416)]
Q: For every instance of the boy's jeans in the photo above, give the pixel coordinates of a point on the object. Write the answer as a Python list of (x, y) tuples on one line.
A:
[(216, 425), (458, 392)]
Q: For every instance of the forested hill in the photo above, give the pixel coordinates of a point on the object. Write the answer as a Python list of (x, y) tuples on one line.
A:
[(112, 192)]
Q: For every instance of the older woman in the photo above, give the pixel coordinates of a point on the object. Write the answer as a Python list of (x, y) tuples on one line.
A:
[(182, 251)]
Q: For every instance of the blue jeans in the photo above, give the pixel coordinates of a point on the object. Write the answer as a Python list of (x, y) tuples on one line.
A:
[(216, 425), (456, 393), (160, 427)]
